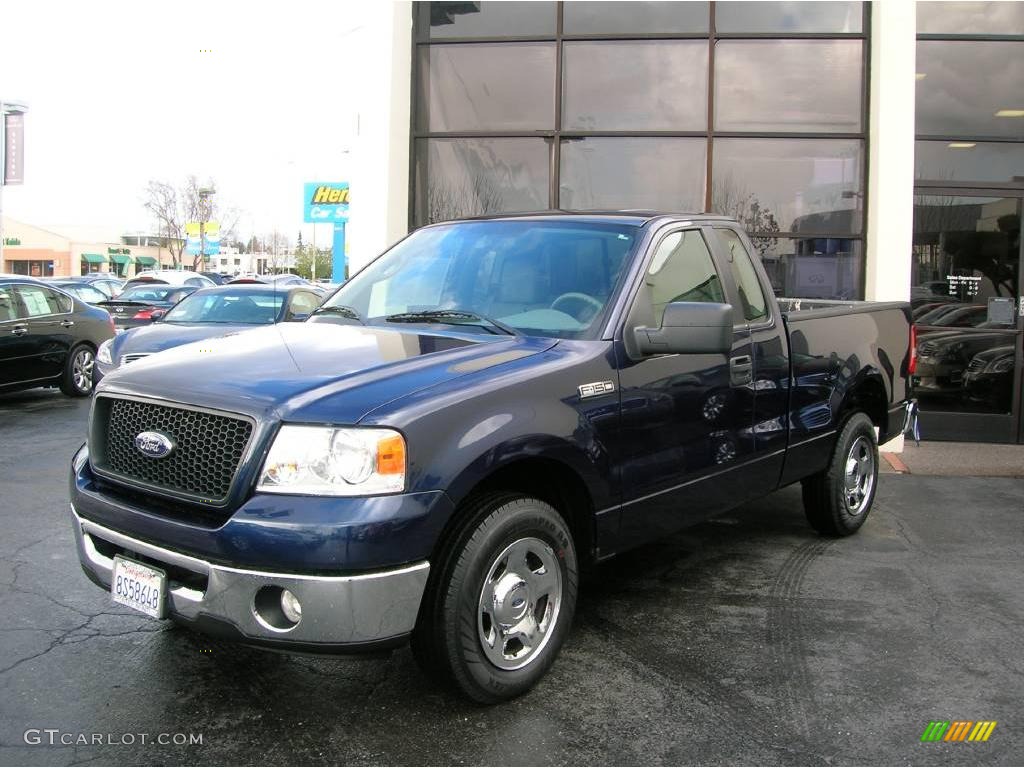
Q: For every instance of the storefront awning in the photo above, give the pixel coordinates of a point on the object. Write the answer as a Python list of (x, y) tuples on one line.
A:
[(145, 261), (120, 258), (94, 258)]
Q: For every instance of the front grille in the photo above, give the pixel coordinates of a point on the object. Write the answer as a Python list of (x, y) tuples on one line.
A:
[(131, 358), (977, 364), (208, 448)]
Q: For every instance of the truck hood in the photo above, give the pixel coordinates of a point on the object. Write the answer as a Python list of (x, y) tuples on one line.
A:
[(160, 336), (315, 372)]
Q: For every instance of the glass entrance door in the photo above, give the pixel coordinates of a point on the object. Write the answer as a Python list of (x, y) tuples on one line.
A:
[(965, 289)]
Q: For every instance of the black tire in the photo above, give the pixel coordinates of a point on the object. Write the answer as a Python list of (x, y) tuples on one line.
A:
[(449, 639), (77, 379), (833, 508)]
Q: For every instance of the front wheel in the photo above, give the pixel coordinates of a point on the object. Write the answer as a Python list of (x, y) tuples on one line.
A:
[(500, 604), (838, 500), (77, 378)]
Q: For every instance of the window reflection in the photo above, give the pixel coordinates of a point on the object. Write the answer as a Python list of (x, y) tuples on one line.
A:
[(767, 85), (809, 16), (1001, 162), (643, 86), (635, 17), (485, 19), (468, 177), (615, 173), (970, 18), (964, 277), (812, 267), (962, 85), (789, 185), (489, 86)]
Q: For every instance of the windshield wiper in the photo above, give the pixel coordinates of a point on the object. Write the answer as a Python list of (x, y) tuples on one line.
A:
[(338, 309), (452, 317)]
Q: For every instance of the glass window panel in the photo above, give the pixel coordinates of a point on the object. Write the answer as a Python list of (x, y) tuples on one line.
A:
[(682, 270), (788, 85), (469, 177), (969, 161), (963, 84), (970, 18), (789, 17), (646, 173), (503, 86), (752, 299), (639, 86), (484, 19), (813, 267), (790, 185), (964, 272), (610, 18)]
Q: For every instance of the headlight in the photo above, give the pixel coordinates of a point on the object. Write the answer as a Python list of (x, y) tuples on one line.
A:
[(329, 461), (1002, 365), (103, 353)]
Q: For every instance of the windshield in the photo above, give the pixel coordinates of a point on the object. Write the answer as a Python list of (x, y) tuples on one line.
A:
[(540, 278), (244, 308), (148, 292)]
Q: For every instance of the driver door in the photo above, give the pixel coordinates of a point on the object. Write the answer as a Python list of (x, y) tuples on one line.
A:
[(685, 418)]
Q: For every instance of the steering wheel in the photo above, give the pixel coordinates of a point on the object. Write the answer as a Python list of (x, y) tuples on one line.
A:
[(596, 305)]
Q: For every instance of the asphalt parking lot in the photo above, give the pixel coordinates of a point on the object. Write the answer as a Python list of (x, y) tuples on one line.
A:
[(748, 639)]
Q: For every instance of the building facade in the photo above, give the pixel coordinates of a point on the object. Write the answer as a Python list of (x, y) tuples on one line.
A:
[(873, 150)]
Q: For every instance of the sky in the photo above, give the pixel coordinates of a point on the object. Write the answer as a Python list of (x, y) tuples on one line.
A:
[(250, 96)]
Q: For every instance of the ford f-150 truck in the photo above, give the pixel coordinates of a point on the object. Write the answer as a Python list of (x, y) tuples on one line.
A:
[(485, 410)]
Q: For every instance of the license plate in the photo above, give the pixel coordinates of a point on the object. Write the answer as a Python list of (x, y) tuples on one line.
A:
[(138, 586)]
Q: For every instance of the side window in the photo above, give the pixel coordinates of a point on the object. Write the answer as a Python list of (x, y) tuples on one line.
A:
[(752, 300), (42, 301), (196, 281), (682, 270), (8, 304)]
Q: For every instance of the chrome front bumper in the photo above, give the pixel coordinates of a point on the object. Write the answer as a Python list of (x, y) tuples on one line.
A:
[(355, 610)]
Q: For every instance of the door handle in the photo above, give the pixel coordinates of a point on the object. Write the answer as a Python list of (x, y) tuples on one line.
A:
[(21, 330), (67, 323), (741, 369)]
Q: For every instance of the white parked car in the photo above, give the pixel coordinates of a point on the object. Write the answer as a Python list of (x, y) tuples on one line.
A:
[(170, 277)]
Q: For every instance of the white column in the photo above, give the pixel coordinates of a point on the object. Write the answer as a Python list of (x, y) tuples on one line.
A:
[(380, 75), (891, 150), (890, 214)]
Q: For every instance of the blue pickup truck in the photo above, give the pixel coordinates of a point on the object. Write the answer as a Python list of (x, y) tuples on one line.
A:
[(487, 409)]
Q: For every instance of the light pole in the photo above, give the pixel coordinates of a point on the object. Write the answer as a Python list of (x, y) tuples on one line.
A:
[(204, 215), (6, 108)]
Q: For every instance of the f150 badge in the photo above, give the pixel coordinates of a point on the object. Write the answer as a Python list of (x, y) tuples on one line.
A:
[(597, 388)]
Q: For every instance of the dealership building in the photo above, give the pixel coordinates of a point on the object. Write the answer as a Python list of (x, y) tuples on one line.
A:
[(872, 150)]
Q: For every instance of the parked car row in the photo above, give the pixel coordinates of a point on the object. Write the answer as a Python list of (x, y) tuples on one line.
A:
[(52, 332)]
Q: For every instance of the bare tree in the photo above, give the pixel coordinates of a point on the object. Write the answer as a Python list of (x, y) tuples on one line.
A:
[(477, 195), (731, 199), (173, 207), (275, 245)]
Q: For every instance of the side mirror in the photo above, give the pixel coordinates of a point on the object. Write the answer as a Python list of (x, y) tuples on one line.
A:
[(689, 327), (156, 314)]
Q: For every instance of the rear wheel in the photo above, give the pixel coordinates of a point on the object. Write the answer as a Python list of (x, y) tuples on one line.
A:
[(501, 600), (77, 378), (838, 500)]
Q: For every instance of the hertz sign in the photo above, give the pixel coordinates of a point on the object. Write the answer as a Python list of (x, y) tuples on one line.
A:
[(326, 202)]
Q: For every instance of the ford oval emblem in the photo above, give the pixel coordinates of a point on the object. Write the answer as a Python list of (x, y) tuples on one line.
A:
[(154, 445)]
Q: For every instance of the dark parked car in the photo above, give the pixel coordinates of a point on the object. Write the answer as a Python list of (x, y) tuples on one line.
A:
[(48, 338), (943, 358), (280, 280), (477, 415), (208, 312), (216, 277), (109, 285), (87, 292), (989, 377), (143, 303)]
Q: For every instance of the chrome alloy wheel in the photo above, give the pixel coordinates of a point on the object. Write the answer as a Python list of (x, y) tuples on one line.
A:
[(81, 369), (519, 603), (859, 479)]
